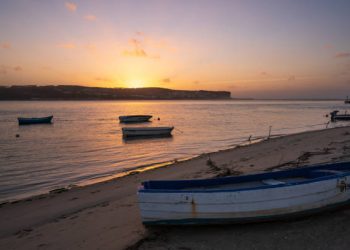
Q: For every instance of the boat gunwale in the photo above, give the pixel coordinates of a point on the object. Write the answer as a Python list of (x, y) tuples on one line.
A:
[(134, 116), (146, 128), (142, 189)]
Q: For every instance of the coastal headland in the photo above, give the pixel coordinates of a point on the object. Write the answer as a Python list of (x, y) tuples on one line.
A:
[(72, 92)]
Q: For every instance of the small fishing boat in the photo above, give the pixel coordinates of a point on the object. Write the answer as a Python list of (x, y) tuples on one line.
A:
[(248, 198), (147, 131), (340, 117), (35, 120), (134, 118), (347, 100)]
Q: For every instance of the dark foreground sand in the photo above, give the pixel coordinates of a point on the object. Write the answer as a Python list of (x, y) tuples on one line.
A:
[(106, 216)]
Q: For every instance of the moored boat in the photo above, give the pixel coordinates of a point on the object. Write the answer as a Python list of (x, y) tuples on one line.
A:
[(247, 198), (347, 100), (339, 117), (134, 118), (34, 120), (146, 131)]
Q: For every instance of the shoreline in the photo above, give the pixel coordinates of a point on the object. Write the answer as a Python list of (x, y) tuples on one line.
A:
[(137, 170), (105, 214)]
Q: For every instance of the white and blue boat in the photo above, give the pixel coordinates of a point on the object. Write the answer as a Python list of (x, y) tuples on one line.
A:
[(247, 198), (36, 120), (146, 131)]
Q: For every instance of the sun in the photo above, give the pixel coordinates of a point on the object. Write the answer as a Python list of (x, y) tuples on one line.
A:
[(136, 84)]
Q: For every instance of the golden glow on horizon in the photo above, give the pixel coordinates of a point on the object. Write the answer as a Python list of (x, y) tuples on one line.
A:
[(135, 83)]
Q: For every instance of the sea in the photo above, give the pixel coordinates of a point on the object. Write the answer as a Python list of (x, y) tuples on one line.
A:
[(84, 144)]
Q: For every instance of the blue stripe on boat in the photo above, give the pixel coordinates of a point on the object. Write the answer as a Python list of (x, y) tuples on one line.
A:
[(179, 186)]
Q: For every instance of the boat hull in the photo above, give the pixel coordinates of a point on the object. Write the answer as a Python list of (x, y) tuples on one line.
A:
[(342, 118), (134, 118), (30, 121), (241, 206), (147, 131)]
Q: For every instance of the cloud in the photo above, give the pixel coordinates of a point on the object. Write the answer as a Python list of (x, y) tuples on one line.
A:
[(5, 45), (17, 68), (90, 17), (154, 43), (103, 79), (141, 45), (291, 78), (137, 47), (137, 50), (135, 42), (4, 69), (67, 45), (139, 33), (166, 80), (71, 6), (342, 55), (328, 46)]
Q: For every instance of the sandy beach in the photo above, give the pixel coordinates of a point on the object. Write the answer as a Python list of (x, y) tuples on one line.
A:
[(105, 215)]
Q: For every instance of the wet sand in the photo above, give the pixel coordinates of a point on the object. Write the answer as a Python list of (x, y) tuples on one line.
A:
[(106, 216)]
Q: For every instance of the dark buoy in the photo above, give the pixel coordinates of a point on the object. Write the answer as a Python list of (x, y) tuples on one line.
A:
[(158, 119), (17, 135)]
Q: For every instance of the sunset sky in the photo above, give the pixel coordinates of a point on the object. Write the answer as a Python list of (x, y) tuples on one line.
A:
[(253, 48)]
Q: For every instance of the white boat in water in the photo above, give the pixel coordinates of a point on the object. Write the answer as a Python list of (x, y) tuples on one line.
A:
[(134, 118), (146, 131), (247, 198)]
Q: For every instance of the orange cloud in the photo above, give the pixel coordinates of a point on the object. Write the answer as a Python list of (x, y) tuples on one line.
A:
[(137, 50), (71, 6), (5, 68), (342, 55), (291, 78), (90, 17), (166, 80), (103, 79), (5, 45), (155, 43), (328, 46), (67, 45), (138, 46), (17, 68)]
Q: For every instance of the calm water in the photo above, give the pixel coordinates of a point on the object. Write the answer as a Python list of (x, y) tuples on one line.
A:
[(85, 142)]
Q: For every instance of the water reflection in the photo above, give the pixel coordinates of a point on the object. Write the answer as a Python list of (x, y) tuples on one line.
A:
[(85, 141), (147, 138)]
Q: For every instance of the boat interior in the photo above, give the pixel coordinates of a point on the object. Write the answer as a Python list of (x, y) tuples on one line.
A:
[(270, 179)]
